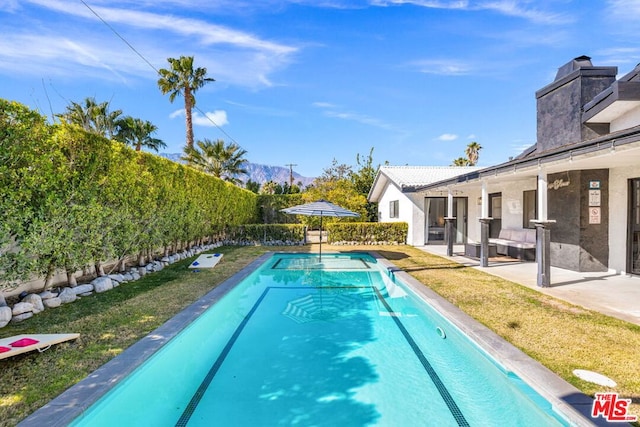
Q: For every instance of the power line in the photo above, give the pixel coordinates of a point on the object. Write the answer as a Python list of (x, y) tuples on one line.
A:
[(154, 68)]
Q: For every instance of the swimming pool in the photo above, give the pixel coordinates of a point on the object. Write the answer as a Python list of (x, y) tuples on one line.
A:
[(341, 342)]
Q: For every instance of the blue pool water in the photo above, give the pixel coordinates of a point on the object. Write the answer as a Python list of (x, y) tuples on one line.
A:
[(339, 342)]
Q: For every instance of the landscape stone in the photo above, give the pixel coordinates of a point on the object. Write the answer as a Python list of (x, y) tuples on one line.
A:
[(36, 301), (135, 276), (3, 302), (52, 302), (86, 294), (117, 278), (47, 295), (21, 317), (128, 277), (5, 316), (102, 284), (67, 295), (22, 307), (142, 271), (83, 289)]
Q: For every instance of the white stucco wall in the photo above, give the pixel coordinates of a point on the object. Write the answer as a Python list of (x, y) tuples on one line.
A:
[(408, 212), (618, 212), (628, 120)]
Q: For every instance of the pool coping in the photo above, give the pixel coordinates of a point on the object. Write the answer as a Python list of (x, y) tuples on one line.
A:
[(565, 398), (70, 404)]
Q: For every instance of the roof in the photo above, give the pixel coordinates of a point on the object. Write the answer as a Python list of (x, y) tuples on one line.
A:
[(409, 178)]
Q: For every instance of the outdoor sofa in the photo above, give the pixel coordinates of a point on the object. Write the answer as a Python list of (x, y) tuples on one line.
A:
[(516, 243)]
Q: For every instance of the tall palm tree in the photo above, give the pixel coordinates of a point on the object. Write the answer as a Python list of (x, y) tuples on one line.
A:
[(473, 151), (216, 158), (183, 79), (137, 133), (92, 117)]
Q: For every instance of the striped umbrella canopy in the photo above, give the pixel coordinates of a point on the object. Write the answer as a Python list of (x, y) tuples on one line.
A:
[(320, 208)]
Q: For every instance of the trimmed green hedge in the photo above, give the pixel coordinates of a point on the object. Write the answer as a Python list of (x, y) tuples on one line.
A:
[(367, 232), (71, 199), (265, 234)]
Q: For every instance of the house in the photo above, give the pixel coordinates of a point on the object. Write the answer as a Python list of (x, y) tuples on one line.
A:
[(579, 185), (394, 189)]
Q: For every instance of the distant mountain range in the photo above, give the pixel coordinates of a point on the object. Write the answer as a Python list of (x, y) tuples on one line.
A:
[(259, 173)]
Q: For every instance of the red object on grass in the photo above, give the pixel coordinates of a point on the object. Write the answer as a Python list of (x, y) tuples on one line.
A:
[(24, 342), (4, 349)]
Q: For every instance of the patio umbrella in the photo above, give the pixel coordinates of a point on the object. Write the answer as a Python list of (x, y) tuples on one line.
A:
[(320, 208)]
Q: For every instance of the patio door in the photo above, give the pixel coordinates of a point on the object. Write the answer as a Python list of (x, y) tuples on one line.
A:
[(495, 212), (633, 246), (436, 212)]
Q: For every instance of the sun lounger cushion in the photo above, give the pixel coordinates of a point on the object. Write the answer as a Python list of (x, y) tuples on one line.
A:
[(24, 342)]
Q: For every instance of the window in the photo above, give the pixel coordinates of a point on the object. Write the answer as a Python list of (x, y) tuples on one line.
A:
[(529, 200), (393, 209)]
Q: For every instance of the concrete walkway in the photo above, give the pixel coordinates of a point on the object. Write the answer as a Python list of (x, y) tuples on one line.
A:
[(611, 294)]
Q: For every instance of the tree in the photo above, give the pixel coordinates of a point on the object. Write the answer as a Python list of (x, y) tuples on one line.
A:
[(252, 186), (137, 133), (216, 158), (460, 161), (362, 180), (183, 79), (92, 117), (473, 151)]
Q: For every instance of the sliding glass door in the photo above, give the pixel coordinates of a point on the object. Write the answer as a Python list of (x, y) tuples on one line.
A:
[(436, 212)]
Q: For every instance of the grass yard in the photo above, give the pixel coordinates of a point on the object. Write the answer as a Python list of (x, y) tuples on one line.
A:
[(560, 336)]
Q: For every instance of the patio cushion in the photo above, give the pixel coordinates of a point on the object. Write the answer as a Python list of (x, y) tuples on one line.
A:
[(505, 233), (530, 236)]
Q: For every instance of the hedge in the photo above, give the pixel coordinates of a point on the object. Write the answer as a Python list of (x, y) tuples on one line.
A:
[(71, 199), (266, 234), (367, 232)]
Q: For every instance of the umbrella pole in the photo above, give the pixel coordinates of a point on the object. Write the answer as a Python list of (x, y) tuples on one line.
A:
[(321, 237)]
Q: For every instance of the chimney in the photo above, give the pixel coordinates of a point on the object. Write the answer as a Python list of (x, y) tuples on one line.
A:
[(560, 103)]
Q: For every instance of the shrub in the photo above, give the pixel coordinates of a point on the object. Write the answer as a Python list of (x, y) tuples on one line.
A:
[(367, 232)]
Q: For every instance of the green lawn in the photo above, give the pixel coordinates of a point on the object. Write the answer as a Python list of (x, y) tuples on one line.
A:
[(561, 336)]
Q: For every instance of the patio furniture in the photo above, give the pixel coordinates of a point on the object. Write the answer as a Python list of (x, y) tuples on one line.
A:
[(516, 243), (473, 250)]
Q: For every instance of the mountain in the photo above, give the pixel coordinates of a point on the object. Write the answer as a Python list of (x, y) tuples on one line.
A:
[(259, 173)]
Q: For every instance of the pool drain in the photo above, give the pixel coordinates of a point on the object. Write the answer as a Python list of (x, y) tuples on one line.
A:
[(440, 332)]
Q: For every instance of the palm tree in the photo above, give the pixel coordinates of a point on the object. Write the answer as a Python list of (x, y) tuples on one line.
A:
[(216, 158), (92, 117), (460, 161), (473, 151), (183, 80), (137, 133)]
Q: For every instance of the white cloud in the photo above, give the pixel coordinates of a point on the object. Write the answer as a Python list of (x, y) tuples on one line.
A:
[(447, 137), (472, 136), (447, 67), (209, 119), (233, 56), (515, 8)]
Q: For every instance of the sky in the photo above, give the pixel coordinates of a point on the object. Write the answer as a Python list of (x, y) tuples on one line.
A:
[(307, 82)]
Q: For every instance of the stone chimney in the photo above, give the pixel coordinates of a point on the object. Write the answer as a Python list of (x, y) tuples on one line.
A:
[(560, 103)]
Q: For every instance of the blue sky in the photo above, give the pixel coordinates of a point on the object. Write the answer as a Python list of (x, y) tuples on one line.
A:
[(309, 81)]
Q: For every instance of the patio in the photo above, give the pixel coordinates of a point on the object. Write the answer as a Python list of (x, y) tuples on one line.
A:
[(611, 294)]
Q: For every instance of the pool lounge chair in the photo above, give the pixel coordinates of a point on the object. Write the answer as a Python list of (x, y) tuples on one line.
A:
[(19, 344)]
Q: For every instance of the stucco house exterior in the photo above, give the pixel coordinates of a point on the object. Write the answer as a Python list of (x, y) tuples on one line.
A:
[(394, 189), (579, 185)]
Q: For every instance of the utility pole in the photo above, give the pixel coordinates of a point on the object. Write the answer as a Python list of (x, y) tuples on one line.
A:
[(291, 165)]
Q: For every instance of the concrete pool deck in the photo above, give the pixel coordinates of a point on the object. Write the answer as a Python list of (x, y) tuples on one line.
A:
[(611, 294), (62, 410)]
